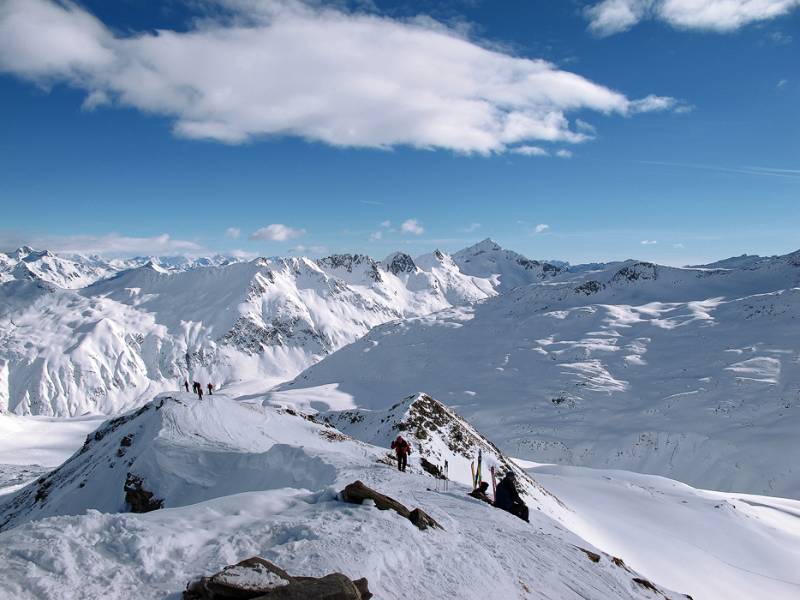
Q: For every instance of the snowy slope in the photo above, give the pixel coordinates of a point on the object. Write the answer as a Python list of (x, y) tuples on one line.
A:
[(110, 345), (688, 373), (239, 480), (182, 452), (738, 546)]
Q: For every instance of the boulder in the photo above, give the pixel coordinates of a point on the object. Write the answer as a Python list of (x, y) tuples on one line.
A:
[(256, 578), (357, 492)]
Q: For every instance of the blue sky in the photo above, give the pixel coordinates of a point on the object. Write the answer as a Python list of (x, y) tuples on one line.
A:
[(323, 128)]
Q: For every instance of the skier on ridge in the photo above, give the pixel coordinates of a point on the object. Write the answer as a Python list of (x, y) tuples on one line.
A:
[(507, 497), (402, 449)]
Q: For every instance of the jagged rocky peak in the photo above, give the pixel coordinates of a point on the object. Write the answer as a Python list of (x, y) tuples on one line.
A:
[(438, 435), (22, 252), (349, 262), (345, 261), (400, 262)]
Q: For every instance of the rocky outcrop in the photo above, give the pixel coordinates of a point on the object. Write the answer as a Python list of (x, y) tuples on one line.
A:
[(259, 578), (139, 499), (357, 492), (400, 262)]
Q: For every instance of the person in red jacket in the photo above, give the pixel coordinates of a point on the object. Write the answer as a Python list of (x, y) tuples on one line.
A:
[(402, 449)]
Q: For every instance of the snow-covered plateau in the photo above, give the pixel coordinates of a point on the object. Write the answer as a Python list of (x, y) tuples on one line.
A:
[(624, 392)]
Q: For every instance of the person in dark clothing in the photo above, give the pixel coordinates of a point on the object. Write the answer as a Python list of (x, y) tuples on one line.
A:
[(198, 389), (210, 387), (402, 449), (186, 385), (507, 497), (480, 492)]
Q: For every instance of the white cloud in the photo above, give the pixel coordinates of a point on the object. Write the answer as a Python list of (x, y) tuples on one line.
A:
[(649, 242), (540, 228), (301, 249), (111, 244), (233, 233), (564, 153), (412, 226), (283, 68), (614, 16), (472, 227), (242, 254), (530, 151), (276, 233), (678, 245), (386, 224), (375, 236), (585, 127), (782, 83)]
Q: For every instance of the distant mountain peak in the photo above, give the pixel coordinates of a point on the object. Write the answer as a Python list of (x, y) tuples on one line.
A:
[(400, 262), (486, 245)]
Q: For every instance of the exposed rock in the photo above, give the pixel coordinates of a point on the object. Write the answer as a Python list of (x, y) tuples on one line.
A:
[(589, 287), (423, 520), (139, 499), (431, 468), (593, 556), (400, 262), (357, 492), (258, 578)]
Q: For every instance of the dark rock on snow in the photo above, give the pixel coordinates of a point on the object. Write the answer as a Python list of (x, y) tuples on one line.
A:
[(357, 492), (258, 578)]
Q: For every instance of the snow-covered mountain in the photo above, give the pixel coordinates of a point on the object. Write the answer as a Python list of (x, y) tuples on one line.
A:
[(82, 335), (222, 480), (505, 268), (75, 271), (689, 373)]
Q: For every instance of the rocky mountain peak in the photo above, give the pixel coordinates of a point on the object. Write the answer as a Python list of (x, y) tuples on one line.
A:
[(400, 262)]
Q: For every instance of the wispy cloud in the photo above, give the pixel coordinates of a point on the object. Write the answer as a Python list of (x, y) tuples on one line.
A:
[(111, 244), (746, 170), (614, 16), (540, 228), (649, 242), (276, 232), (564, 153), (371, 202), (311, 71), (530, 151), (782, 83), (472, 227), (412, 226), (375, 236), (313, 250), (233, 233)]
